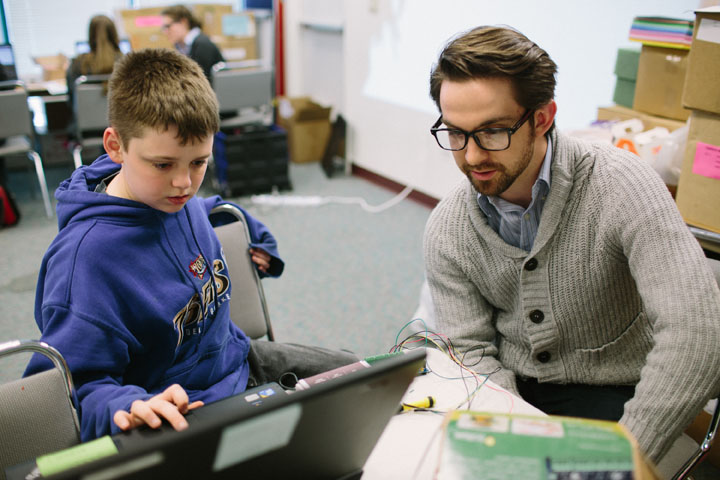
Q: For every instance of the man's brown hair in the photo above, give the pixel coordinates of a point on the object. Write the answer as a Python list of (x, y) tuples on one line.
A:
[(497, 52), (160, 88), (180, 12)]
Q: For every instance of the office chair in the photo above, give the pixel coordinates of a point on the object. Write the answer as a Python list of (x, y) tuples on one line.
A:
[(16, 127), (91, 114), (245, 93), (707, 442), (37, 413), (248, 308)]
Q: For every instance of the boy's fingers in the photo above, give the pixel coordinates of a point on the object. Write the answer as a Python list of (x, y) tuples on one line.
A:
[(171, 413), (171, 404), (122, 420), (142, 413), (176, 394)]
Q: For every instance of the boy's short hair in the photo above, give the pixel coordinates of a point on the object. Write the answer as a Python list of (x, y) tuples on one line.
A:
[(160, 88), (181, 12)]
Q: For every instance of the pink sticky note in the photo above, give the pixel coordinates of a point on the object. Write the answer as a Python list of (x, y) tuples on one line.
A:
[(149, 21), (707, 160)]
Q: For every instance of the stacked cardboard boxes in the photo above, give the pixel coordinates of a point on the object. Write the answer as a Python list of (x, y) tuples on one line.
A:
[(626, 68), (698, 195), (143, 27), (660, 79)]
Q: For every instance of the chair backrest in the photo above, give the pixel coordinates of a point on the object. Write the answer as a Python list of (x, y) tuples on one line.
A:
[(14, 111), (248, 308), (243, 88), (712, 430), (91, 108), (37, 413), (715, 267)]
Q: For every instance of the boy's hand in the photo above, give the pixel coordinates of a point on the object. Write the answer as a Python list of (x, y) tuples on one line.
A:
[(261, 258), (171, 405)]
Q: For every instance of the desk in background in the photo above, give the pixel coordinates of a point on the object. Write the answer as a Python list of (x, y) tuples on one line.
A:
[(49, 103)]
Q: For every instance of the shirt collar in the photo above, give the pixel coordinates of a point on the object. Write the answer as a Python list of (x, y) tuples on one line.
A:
[(191, 36)]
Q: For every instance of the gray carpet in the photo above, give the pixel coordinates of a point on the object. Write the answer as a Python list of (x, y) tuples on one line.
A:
[(352, 278)]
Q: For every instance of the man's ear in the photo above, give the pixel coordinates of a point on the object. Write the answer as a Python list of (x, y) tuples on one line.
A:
[(113, 145), (544, 117)]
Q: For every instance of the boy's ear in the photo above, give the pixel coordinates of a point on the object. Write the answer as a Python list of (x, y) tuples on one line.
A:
[(112, 144)]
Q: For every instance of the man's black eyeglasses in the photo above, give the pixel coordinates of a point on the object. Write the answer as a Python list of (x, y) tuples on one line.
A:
[(166, 26), (491, 139)]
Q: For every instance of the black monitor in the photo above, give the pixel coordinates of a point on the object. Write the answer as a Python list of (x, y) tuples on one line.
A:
[(7, 62), (324, 432)]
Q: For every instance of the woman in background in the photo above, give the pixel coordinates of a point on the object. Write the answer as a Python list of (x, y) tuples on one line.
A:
[(104, 51)]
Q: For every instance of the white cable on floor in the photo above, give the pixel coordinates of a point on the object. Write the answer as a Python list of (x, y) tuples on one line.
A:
[(316, 201)]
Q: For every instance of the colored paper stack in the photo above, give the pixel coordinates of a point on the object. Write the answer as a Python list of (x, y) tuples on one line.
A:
[(662, 32)]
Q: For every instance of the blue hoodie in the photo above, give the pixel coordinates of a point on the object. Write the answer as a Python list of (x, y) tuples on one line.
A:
[(136, 299)]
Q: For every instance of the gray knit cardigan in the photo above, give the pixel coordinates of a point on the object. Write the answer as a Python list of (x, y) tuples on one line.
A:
[(624, 292)]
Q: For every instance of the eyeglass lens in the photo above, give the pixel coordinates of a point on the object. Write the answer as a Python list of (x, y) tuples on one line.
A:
[(489, 140)]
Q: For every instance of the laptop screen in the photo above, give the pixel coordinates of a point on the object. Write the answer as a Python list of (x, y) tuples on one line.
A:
[(82, 46), (7, 62), (324, 432)]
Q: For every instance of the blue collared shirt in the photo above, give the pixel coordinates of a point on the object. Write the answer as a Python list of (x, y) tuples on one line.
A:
[(516, 225)]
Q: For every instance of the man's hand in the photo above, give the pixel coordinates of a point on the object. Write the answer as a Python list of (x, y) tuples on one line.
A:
[(261, 258), (171, 405)]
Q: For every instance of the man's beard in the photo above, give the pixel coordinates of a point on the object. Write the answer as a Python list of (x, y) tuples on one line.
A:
[(504, 177)]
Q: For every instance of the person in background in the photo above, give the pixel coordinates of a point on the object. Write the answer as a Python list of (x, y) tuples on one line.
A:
[(183, 31), (562, 267), (104, 52)]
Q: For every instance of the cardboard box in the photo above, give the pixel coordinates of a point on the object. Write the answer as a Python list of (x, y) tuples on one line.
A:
[(703, 71), (145, 24), (698, 193), (143, 21), (210, 16), (308, 127), (236, 48), (660, 82), (626, 67), (149, 39), (53, 66), (617, 112), (241, 24), (624, 93)]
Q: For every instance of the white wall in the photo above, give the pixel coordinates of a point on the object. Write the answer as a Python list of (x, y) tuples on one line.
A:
[(314, 51), (47, 27), (389, 46)]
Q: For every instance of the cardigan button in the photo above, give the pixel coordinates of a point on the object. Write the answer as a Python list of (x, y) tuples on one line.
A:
[(543, 357), (536, 316), (531, 265)]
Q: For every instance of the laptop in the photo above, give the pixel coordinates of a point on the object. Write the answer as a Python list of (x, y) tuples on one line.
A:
[(324, 432), (83, 46), (7, 62)]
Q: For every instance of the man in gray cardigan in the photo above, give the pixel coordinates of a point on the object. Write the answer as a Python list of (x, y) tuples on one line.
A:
[(563, 266)]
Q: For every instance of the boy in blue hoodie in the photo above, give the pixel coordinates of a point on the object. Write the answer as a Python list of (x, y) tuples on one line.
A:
[(134, 289)]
